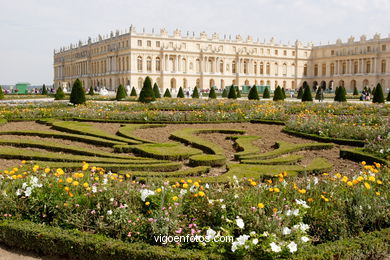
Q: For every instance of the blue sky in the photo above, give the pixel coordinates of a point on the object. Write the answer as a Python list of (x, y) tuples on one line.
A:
[(31, 29)]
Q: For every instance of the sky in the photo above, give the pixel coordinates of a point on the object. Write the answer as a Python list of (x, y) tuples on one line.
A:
[(31, 29)]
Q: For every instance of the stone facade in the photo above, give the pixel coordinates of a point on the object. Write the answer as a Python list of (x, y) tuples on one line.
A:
[(188, 61)]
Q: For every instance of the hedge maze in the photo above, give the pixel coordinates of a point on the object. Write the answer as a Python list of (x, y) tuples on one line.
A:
[(187, 153)]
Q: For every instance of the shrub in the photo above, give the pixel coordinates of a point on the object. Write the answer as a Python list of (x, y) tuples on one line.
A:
[(133, 92), (278, 94), (167, 93), (232, 93), (225, 92), (44, 90), (355, 91), (156, 91), (195, 93), (237, 91), (91, 92), (387, 99), (318, 94), (369, 90), (1, 93), (284, 93), (306, 96), (253, 95), (212, 93), (266, 93), (147, 95), (300, 93), (373, 91), (378, 95), (340, 94), (77, 96), (121, 93), (59, 94), (180, 94)]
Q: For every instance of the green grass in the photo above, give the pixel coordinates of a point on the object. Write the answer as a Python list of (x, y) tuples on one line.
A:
[(127, 131), (3, 121), (166, 151), (284, 148), (290, 159), (244, 144), (87, 129), (213, 160), (359, 155), (74, 137)]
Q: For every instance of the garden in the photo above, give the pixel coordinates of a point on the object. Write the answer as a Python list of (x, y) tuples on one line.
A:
[(283, 180)]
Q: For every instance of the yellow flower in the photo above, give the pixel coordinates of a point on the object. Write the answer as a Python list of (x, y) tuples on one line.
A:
[(196, 184), (360, 178), (371, 178), (367, 185), (158, 190), (24, 162), (69, 180), (75, 183), (325, 174), (271, 189), (59, 171), (344, 179), (147, 203), (302, 191), (174, 198), (189, 181), (310, 199), (260, 205), (47, 170), (201, 193), (185, 185), (363, 163), (65, 204), (60, 180), (96, 178), (378, 193), (355, 181), (253, 183), (275, 210), (324, 198), (85, 185), (349, 183), (66, 189), (338, 175), (379, 182), (85, 166), (276, 190)]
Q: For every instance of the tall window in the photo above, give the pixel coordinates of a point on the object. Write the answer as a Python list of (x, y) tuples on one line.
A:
[(139, 63), (158, 64), (368, 67), (149, 64), (261, 68), (383, 66), (245, 67), (316, 70), (344, 68), (139, 42), (149, 43), (284, 69), (355, 67), (197, 65), (268, 69), (234, 66), (221, 66), (255, 68), (305, 70), (323, 69), (332, 69)]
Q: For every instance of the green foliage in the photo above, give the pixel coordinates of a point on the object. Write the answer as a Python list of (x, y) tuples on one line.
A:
[(237, 91), (387, 99), (180, 93), (128, 131), (195, 93), (355, 91), (59, 94), (225, 92), (340, 94), (1, 93), (378, 95), (147, 93), (212, 94), (91, 92), (253, 95), (77, 96), (266, 93), (284, 93), (156, 91), (133, 92), (232, 92), (165, 151), (318, 94), (213, 160), (278, 94), (306, 96), (167, 93), (121, 93), (44, 90), (300, 93)]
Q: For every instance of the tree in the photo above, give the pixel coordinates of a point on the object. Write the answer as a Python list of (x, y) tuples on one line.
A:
[(91, 92), (343, 95), (167, 93), (212, 93), (232, 92), (1, 93), (195, 93), (225, 92), (284, 93), (266, 93), (44, 90), (121, 93), (278, 94), (237, 91), (77, 96), (59, 94), (180, 94), (340, 94), (306, 96), (355, 91), (388, 96), (378, 95), (318, 94), (133, 92), (253, 95), (146, 95), (300, 93), (156, 91)]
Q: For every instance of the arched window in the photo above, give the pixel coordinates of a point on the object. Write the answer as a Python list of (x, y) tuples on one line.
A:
[(332, 69), (383, 66), (221, 66), (261, 68), (149, 64), (158, 64), (355, 67), (140, 83), (245, 67), (197, 65), (268, 69), (184, 65), (139, 63), (344, 68), (305, 70), (284, 69), (368, 67), (255, 68), (276, 68), (316, 70), (234, 66)]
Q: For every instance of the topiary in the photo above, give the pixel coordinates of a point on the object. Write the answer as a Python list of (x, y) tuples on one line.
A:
[(146, 95), (77, 96), (195, 93), (278, 94), (253, 95), (300, 93), (212, 93), (237, 91), (156, 91), (378, 95), (133, 92), (1, 93), (167, 93), (284, 93), (225, 92), (121, 93), (266, 93), (343, 94), (232, 92), (180, 94), (44, 90), (306, 96), (59, 94), (91, 92), (318, 94), (355, 91), (388, 97), (369, 90)]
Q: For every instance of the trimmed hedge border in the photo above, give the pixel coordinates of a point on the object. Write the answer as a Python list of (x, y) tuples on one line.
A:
[(196, 171), (280, 160), (268, 122), (155, 122), (359, 155), (3, 121), (54, 241), (213, 160), (244, 145), (128, 129), (341, 141), (165, 151)]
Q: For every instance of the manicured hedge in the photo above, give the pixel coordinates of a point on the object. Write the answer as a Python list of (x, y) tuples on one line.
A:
[(213, 160), (196, 171), (3, 121), (54, 241), (269, 122), (281, 160), (244, 144), (127, 131), (359, 155), (341, 141), (153, 122)]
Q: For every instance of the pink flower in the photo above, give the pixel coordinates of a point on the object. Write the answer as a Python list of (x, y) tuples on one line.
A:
[(129, 234), (193, 231), (190, 226), (129, 221), (179, 231)]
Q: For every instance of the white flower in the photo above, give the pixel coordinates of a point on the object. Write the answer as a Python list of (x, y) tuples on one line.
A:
[(302, 203), (255, 241), (286, 231), (315, 180), (28, 191), (301, 226), (266, 234), (112, 199), (252, 233), (109, 212), (192, 189), (240, 222), (182, 192), (288, 212), (236, 196), (305, 239), (242, 239), (295, 212), (207, 186), (146, 193), (24, 185), (275, 248), (292, 247), (94, 189), (234, 246), (210, 234), (18, 192), (223, 206)]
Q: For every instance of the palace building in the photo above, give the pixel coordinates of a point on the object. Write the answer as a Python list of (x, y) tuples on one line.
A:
[(175, 61)]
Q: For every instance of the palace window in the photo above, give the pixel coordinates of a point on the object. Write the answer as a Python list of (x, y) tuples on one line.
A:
[(261, 68), (268, 69), (293, 53), (383, 66), (234, 67), (276, 52), (139, 42), (316, 70), (158, 44), (323, 69), (305, 70), (384, 47), (149, 64), (158, 64), (149, 43), (285, 53), (139, 63), (332, 69), (355, 67)]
